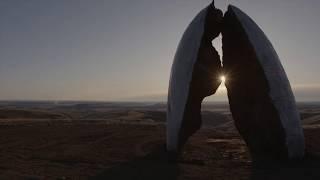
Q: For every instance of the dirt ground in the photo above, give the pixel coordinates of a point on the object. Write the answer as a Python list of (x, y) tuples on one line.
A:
[(99, 150)]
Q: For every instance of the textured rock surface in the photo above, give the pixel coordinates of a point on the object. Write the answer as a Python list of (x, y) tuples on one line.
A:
[(260, 96)]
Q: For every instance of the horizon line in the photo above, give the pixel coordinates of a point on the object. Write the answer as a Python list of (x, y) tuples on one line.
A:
[(127, 101)]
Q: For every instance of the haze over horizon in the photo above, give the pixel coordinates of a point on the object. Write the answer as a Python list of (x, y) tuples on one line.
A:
[(121, 50)]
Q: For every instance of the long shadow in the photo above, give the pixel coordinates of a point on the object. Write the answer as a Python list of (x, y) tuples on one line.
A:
[(153, 166), (306, 169)]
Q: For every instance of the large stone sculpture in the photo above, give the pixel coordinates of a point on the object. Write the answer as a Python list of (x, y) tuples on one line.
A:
[(260, 97), (193, 77)]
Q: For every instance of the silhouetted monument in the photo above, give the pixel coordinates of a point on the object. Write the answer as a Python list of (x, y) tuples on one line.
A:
[(193, 76), (260, 97)]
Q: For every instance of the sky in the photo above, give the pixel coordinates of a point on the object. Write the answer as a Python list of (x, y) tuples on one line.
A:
[(122, 50)]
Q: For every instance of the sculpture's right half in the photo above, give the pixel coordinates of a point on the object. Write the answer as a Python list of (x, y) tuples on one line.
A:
[(261, 100)]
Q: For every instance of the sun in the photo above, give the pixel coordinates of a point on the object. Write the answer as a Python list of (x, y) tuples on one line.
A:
[(223, 79)]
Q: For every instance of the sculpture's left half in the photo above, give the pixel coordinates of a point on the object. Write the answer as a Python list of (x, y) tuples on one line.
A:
[(194, 76)]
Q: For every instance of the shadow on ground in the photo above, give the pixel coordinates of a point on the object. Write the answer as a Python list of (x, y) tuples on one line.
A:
[(306, 169), (153, 166)]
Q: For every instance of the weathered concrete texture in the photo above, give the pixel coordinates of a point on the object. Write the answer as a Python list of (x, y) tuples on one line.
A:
[(260, 96), (193, 77)]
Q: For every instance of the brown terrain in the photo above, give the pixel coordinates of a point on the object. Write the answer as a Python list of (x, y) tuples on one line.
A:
[(91, 140)]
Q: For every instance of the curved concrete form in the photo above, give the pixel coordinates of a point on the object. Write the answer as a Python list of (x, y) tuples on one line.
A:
[(193, 77), (260, 97)]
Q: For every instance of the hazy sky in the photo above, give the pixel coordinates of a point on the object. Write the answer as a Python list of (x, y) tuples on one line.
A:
[(123, 50)]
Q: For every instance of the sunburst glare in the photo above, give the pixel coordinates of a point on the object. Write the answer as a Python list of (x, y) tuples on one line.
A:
[(223, 79), (222, 88)]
